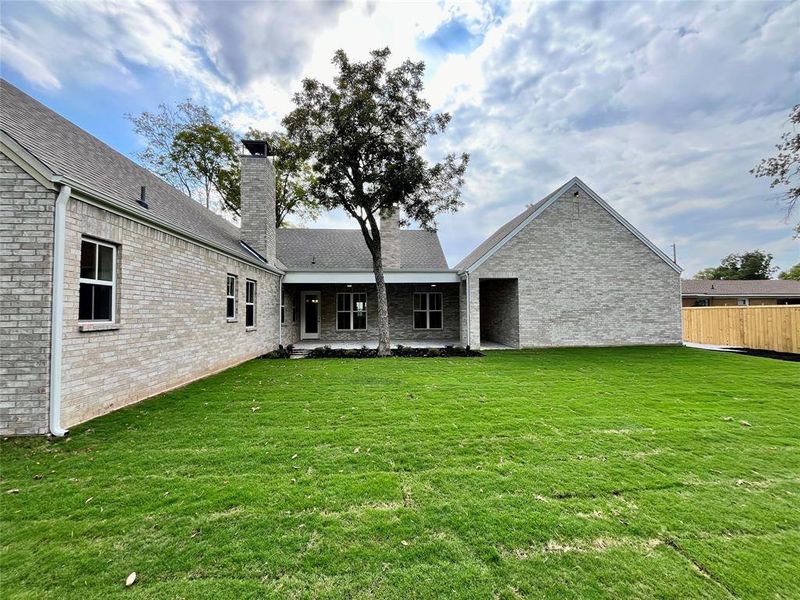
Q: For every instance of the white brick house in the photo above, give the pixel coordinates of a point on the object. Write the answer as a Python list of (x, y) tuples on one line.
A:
[(116, 286)]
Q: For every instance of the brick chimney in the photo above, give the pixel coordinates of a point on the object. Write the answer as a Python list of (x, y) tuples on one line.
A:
[(390, 238), (258, 199)]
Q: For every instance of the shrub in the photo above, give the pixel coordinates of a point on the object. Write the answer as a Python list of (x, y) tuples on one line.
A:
[(281, 352), (400, 351)]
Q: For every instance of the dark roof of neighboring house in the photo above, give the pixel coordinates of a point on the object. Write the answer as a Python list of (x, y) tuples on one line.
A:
[(740, 287), (71, 152), (501, 233), (346, 250)]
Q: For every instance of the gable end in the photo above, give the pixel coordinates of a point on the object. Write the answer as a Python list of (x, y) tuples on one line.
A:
[(549, 200)]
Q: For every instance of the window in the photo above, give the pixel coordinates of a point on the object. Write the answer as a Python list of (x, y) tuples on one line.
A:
[(283, 308), (250, 303), (351, 311), (233, 287), (743, 302), (701, 302), (97, 281), (427, 310)]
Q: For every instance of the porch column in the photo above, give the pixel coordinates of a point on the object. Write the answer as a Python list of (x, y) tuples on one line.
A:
[(474, 311)]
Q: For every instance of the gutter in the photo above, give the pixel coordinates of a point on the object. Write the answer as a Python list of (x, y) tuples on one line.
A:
[(57, 318)]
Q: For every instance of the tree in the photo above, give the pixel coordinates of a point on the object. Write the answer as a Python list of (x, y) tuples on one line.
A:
[(364, 136), (791, 273), (293, 178), (784, 168), (159, 130), (747, 265), (208, 153)]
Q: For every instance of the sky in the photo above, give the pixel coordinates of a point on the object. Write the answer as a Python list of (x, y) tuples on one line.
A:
[(661, 108)]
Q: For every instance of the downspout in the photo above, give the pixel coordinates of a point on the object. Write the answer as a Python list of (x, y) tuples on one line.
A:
[(469, 310), (280, 311), (57, 318)]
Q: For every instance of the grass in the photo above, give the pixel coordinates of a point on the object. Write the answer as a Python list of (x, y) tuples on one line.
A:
[(630, 472)]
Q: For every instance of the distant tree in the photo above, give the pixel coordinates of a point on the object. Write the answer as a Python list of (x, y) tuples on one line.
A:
[(209, 155), (784, 168), (747, 265), (158, 129), (365, 135), (293, 179), (791, 273)]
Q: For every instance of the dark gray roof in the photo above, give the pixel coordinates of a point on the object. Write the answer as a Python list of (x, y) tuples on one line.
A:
[(498, 235), (71, 152), (345, 250), (740, 287)]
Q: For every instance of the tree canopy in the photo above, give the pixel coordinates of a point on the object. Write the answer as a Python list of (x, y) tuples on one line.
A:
[(784, 168), (364, 136), (755, 264), (208, 154), (791, 273)]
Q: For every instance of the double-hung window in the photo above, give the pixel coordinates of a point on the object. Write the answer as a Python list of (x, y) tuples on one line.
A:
[(427, 310), (351, 311), (97, 281), (232, 291), (249, 303)]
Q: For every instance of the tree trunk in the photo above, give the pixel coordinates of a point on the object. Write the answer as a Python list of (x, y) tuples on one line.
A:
[(384, 341)]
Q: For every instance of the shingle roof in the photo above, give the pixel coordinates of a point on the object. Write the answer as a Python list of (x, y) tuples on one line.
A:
[(740, 287), (345, 250), (71, 152), (498, 235)]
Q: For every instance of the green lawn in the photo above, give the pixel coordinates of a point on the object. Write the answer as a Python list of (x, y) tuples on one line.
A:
[(657, 472)]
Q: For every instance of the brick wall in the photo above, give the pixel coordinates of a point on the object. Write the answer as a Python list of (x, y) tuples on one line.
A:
[(173, 329), (584, 280), (401, 326), (26, 271)]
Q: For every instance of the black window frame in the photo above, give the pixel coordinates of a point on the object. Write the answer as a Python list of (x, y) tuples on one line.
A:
[(250, 303), (351, 311), (425, 309), (88, 287), (231, 297)]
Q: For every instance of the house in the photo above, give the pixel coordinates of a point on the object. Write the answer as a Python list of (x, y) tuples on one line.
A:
[(117, 287), (739, 292)]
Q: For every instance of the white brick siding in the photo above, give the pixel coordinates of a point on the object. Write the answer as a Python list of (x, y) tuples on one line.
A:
[(26, 273), (171, 297)]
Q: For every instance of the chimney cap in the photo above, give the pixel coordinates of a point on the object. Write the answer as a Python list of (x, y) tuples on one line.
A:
[(257, 147)]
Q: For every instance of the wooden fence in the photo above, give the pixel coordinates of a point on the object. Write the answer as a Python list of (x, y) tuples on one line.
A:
[(757, 327)]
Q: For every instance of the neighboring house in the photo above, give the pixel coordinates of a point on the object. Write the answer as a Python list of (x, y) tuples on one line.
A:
[(117, 287), (739, 292)]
